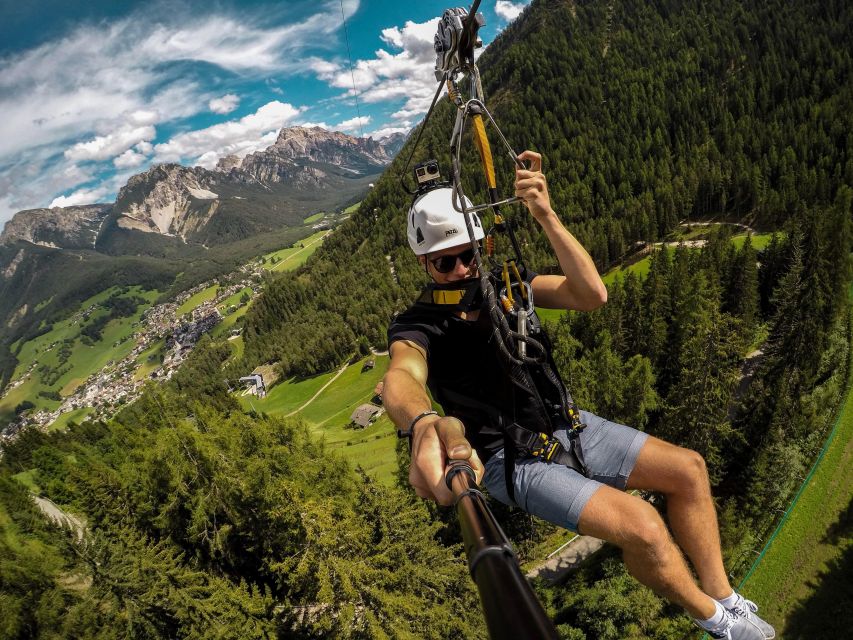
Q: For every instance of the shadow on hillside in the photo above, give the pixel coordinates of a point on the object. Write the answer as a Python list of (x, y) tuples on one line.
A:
[(828, 613)]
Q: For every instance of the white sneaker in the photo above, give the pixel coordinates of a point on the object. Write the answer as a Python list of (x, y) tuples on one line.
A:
[(749, 610), (734, 627)]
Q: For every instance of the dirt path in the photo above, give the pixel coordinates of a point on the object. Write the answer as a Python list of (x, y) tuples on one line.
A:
[(569, 557)]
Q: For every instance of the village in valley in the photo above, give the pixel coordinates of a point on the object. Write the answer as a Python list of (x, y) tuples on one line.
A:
[(118, 383)]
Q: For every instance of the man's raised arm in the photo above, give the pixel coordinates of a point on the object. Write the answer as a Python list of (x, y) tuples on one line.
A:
[(580, 287)]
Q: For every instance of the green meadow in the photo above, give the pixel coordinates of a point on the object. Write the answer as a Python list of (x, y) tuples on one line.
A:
[(230, 319), (234, 300), (28, 479), (803, 581), (76, 416), (294, 256), (61, 330), (197, 300), (759, 240), (237, 347), (640, 268), (328, 416), (150, 359)]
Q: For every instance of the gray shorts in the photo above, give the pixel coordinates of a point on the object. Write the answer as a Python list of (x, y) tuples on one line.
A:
[(558, 494)]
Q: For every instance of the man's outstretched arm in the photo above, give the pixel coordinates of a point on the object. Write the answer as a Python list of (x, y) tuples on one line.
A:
[(434, 439)]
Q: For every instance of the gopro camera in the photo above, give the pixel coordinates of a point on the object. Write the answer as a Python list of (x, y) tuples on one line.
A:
[(427, 174)]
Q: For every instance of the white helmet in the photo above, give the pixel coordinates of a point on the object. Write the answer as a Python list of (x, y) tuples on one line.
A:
[(434, 224)]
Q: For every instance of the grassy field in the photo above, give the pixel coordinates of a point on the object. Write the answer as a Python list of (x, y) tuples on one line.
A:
[(233, 301), (759, 240), (287, 396), (804, 581), (328, 415), (150, 359), (77, 416), (641, 267), (295, 256), (28, 479), (230, 319), (197, 299), (83, 360), (61, 330), (314, 218), (237, 347)]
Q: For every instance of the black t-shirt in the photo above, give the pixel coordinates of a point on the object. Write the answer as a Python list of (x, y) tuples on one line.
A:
[(463, 358)]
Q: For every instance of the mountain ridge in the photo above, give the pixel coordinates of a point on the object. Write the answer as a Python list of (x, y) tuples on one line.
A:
[(45, 226), (170, 199)]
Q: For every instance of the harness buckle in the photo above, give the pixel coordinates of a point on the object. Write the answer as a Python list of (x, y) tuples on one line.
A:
[(547, 448)]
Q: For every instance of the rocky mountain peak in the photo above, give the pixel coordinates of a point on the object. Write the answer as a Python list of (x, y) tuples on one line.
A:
[(226, 163), (73, 227), (394, 143), (321, 145), (159, 199)]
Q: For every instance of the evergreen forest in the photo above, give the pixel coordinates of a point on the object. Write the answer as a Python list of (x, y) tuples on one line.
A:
[(200, 520)]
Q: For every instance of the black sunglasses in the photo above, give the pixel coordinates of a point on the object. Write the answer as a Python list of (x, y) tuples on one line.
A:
[(447, 263)]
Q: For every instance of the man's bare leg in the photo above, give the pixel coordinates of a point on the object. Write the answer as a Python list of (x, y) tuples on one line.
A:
[(680, 474), (650, 554)]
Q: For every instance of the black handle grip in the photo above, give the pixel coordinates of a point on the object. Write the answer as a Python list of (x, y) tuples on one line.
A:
[(510, 607)]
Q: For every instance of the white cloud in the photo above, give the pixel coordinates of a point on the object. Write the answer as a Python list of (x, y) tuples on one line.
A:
[(144, 116), (31, 182), (103, 147), (129, 158), (321, 124), (95, 91), (353, 123), (509, 11), (407, 75), (250, 133), (225, 104), (321, 67), (384, 132), (236, 44), (81, 196)]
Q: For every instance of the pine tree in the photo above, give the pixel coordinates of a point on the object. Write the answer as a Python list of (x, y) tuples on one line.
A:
[(697, 407), (741, 295)]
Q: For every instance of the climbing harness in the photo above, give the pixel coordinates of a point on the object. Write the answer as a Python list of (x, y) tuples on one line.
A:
[(524, 348)]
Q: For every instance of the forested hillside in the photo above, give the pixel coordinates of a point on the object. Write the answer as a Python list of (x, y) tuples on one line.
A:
[(203, 520), (646, 113)]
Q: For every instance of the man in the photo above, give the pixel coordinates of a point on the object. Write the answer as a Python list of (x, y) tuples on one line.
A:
[(451, 352)]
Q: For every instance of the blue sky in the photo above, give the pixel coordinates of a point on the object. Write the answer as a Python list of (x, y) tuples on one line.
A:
[(94, 92)]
